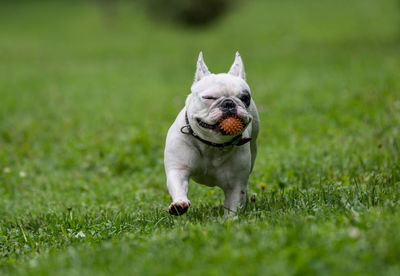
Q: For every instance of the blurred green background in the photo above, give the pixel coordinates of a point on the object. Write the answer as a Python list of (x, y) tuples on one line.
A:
[(88, 90)]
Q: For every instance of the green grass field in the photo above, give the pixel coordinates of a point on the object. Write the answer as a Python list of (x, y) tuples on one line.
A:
[(85, 104)]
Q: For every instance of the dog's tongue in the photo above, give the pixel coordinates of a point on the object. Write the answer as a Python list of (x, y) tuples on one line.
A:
[(231, 125)]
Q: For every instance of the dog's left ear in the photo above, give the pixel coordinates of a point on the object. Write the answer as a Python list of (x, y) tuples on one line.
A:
[(237, 68)]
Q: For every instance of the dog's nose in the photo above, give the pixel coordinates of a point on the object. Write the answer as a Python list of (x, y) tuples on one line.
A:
[(228, 104)]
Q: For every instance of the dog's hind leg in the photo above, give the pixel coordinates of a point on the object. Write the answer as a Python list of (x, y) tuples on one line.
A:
[(178, 187)]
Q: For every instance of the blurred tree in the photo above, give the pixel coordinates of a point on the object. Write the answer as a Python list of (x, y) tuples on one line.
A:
[(108, 11), (189, 12)]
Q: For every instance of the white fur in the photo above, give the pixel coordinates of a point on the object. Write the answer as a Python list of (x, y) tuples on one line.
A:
[(186, 157)]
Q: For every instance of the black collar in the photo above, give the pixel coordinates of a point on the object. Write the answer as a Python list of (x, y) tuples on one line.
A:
[(236, 141)]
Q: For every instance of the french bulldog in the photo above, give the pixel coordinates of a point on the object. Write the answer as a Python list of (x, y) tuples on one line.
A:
[(197, 147)]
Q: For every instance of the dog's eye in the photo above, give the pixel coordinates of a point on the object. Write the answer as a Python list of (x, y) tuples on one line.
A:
[(209, 98), (245, 98)]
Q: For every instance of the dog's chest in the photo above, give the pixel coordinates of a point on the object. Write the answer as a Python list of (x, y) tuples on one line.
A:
[(221, 167)]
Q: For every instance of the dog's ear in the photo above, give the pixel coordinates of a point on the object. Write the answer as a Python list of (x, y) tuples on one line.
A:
[(201, 69), (237, 68)]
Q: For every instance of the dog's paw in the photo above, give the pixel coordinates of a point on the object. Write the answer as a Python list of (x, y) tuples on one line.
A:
[(179, 208)]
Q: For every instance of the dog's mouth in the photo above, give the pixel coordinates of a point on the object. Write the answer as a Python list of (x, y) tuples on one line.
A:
[(218, 126)]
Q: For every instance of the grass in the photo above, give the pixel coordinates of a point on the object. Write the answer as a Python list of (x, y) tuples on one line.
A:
[(85, 103)]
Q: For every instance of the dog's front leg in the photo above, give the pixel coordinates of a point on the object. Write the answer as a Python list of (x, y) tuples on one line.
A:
[(234, 197), (178, 187)]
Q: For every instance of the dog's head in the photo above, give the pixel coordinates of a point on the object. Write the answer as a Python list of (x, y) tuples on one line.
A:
[(217, 96)]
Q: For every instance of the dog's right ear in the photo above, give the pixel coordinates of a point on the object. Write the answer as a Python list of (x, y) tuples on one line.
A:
[(237, 68), (201, 69)]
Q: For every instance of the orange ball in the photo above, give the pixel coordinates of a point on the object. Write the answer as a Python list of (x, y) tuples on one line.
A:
[(231, 125)]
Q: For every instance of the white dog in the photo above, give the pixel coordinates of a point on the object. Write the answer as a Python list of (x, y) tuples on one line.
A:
[(198, 147)]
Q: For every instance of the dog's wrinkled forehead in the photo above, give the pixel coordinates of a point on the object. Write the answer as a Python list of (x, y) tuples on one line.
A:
[(220, 85)]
